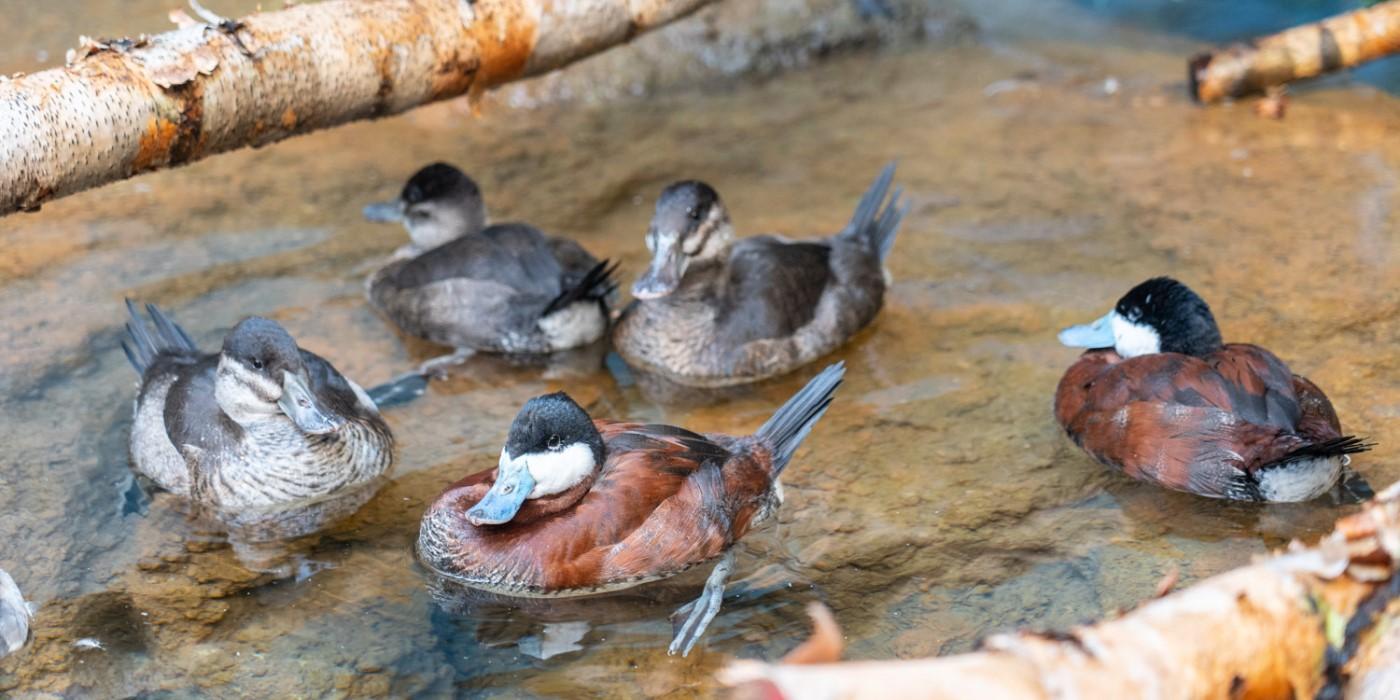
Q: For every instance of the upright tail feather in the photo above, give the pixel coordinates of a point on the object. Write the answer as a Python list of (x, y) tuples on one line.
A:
[(142, 347), (597, 285), (875, 219), (789, 426)]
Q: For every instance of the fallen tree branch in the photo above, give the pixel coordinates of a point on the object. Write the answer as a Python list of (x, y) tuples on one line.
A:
[(1301, 52), (1309, 621), (123, 107)]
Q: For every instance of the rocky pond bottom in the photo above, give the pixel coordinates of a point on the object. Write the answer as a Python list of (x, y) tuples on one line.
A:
[(936, 502)]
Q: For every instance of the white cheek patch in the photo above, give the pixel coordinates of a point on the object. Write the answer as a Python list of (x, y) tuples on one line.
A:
[(557, 472), (1134, 339), (241, 393)]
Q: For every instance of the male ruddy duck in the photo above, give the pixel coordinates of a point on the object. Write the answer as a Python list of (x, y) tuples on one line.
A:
[(711, 311), (1164, 400), (578, 506), (260, 423), (503, 288)]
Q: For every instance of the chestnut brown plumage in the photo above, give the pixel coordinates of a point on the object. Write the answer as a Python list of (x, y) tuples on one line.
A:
[(1207, 425), (643, 502)]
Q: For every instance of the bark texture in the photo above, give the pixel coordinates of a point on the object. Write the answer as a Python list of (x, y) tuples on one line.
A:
[(123, 107), (1301, 52), (1311, 622)]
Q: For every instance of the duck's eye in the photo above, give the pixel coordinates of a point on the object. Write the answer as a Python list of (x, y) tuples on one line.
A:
[(693, 213), (554, 442), (257, 363)]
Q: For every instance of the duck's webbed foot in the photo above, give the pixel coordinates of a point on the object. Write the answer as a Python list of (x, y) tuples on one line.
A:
[(399, 390), (690, 621), (437, 367)]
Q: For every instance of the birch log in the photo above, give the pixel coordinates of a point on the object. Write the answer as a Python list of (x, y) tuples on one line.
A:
[(123, 107), (1301, 52), (1311, 622)]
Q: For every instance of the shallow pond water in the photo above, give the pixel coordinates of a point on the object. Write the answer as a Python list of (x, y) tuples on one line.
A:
[(937, 501)]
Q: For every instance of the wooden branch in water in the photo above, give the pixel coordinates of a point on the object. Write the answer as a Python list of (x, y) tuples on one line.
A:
[(1312, 620), (128, 106), (1301, 52)]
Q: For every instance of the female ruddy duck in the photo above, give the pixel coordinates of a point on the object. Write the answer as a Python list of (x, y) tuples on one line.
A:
[(503, 288), (578, 506), (711, 311), (260, 423), (1164, 400)]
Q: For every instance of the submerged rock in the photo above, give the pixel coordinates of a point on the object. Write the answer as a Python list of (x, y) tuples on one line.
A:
[(14, 616)]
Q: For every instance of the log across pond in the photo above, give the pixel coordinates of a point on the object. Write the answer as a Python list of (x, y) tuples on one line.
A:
[(123, 107), (1317, 621)]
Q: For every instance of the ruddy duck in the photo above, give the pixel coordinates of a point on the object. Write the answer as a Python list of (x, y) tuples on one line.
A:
[(1164, 400), (711, 311), (503, 288), (578, 506), (260, 423)]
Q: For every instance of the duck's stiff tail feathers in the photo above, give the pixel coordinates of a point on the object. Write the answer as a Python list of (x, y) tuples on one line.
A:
[(876, 220), (142, 348), (597, 285), (789, 426)]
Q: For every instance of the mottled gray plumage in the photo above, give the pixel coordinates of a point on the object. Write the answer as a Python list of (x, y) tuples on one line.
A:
[(501, 288), (14, 617), (758, 307), (214, 427)]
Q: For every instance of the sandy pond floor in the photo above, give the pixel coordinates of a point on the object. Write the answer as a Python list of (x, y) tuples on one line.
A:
[(937, 501)]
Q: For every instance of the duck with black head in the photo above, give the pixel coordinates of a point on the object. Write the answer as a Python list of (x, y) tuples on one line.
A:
[(1160, 396), (260, 423), (503, 288), (712, 311), (577, 506)]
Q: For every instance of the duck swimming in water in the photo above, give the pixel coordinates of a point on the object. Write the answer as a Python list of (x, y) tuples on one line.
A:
[(711, 311), (578, 506), (1162, 398), (503, 288), (260, 423)]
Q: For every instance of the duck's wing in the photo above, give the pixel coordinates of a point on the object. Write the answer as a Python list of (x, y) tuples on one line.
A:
[(513, 256), (193, 418), (1177, 421), (773, 287)]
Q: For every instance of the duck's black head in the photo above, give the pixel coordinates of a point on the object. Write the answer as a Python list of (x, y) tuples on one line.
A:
[(261, 371), (689, 225), (552, 447), (1159, 315), (439, 203)]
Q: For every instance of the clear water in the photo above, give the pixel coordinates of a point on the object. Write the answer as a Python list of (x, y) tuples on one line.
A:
[(1052, 163)]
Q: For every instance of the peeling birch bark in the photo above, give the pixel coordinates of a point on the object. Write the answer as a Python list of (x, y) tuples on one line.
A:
[(125, 107), (1338, 42), (1313, 620)]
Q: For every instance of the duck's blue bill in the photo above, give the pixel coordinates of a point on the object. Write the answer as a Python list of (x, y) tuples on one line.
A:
[(384, 211), (503, 501), (1098, 334)]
